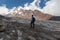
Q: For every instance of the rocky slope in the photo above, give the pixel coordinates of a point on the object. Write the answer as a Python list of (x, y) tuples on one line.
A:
[(26, 14), (20, 30), (55, 18)]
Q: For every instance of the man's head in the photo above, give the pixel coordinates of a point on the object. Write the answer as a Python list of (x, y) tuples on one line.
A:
[(32, 15)]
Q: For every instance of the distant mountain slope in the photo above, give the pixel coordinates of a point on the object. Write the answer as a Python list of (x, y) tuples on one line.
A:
[(55, 18), (26, 14)]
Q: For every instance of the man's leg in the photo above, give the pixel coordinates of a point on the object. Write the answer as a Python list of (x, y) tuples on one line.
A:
[(33, 25)]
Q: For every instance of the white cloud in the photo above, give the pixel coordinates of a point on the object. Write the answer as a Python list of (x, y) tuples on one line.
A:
[(32, 6), (3, 10), (52, 7), (11, 10)]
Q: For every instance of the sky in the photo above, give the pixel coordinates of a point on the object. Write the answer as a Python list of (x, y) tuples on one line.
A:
[(15, 3), (47, 6)]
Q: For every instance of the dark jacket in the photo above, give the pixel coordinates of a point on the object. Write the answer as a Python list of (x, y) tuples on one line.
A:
[(33, 19)]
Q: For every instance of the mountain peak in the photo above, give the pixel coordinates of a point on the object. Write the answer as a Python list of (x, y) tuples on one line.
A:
[(26, 14)]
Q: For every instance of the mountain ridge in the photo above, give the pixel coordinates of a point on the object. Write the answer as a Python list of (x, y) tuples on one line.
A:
[(26, 14)]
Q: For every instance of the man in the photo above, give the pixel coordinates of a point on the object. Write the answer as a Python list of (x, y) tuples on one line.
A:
[(32, 22)]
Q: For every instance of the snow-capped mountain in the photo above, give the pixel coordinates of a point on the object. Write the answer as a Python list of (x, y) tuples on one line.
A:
[(26, 14)]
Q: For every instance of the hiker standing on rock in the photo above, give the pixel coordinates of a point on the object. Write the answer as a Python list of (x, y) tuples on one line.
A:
[(33, 22)]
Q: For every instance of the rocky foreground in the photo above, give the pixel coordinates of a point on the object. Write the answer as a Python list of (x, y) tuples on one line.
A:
[(20, 30)]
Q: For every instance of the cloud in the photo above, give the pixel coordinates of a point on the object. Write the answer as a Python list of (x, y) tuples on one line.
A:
[(52, 7), (11, 10), (32, 6), (3, 10)]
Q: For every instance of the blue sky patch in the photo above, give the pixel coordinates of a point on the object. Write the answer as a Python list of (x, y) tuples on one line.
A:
[(16, 3)]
